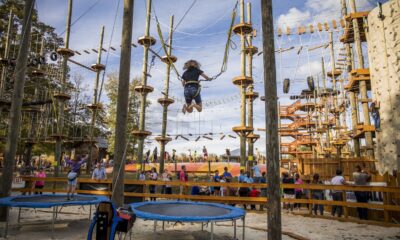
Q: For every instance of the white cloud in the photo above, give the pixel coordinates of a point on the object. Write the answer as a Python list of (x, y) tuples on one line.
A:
[(293, 17)]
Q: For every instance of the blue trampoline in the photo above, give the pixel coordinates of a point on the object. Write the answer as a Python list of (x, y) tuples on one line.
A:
[(181, 211), (49, 201)]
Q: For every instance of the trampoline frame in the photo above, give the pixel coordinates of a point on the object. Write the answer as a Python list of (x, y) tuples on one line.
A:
[(237, 214), (8, 202)]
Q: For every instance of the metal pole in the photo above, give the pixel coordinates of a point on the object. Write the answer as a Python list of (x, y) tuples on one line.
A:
[(242, 90), (166, 92), (15, 109), (212, 230), (271, 124), (363, 84), (122, 104), (95, 106), (61, 101), (142, 116)]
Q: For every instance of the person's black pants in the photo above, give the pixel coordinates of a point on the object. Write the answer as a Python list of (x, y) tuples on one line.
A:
[(244, 192), (298, 195), (318, 196), (39, 187), (362, 197), (152, 189), (337, 196)]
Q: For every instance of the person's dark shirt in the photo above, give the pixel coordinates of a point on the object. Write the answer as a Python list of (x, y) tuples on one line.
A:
[(263, 180), (195, 190), (192, 74), (288, 181)]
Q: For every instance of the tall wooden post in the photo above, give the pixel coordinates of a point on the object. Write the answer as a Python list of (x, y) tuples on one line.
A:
[(6, 53), (122, 105), (250, 50), (334, 74), (243, 158), (146, 41), (271, 123), (95, 106), (15, 110), (352, 95), (363, 84), (166, 101), (61, 97), (325, 103), (242, 82), (30, 142)]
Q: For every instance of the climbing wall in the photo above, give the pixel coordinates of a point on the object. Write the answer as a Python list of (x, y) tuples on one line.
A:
[(384, 57)]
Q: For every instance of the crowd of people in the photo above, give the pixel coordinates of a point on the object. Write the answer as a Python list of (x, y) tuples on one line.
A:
[(360, 178)]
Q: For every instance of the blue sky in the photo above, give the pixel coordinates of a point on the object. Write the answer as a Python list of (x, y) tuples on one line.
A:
[(201, 36)]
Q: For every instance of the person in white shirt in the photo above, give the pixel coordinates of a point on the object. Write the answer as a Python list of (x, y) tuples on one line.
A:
[(99, 173), (337, 195)]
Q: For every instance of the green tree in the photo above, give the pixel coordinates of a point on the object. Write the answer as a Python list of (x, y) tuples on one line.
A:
[(111, 88)]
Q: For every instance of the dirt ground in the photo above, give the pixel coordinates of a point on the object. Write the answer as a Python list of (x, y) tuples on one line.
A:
[(73, 224)]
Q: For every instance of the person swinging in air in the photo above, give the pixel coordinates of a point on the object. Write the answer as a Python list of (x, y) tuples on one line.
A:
[(191, 83)]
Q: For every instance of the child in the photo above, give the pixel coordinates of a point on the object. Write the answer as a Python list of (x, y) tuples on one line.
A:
[(73, 174), (142, 176), (254, 193), (191, 84), (40, 184)]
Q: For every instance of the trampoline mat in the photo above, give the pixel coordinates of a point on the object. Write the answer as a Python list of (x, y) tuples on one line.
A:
[(184, 210), (52, 199)]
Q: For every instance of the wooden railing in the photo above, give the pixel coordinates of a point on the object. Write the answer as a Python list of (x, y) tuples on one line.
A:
[(386, 206)]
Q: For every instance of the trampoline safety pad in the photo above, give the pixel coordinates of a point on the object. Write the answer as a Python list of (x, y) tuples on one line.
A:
[(186, 211), (50, 200)]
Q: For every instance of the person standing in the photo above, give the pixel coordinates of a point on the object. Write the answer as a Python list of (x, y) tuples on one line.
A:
[(256, 172), (298, 192), (147, 156), (217, 178), (183, 178), (205, 154), (361, 178), (336, 194), (195, 156), (288, 193), (318, 194), (72, 176), (190, 156), (99, 173), (153, 176), (155, 155), (40, 184)]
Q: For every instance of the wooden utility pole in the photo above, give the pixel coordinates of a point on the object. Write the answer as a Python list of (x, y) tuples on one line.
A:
[(363, 84), (61, 96), (242, 29), (15, 110), (6, 54), (325, 103), (250, 94), (271, 123), (352, 95), (166, 101), (95, 106), (37, 74), (334, 74), (120, 143), (146, 41)]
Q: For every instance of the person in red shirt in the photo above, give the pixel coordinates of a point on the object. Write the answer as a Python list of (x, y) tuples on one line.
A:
[(183, 177), (254, 193)]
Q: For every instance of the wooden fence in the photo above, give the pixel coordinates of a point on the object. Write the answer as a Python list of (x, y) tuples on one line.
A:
[(387, 207)]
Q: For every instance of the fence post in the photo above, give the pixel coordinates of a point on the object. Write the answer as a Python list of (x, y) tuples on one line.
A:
[(345, 208), (310, 205), (386, 201)]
